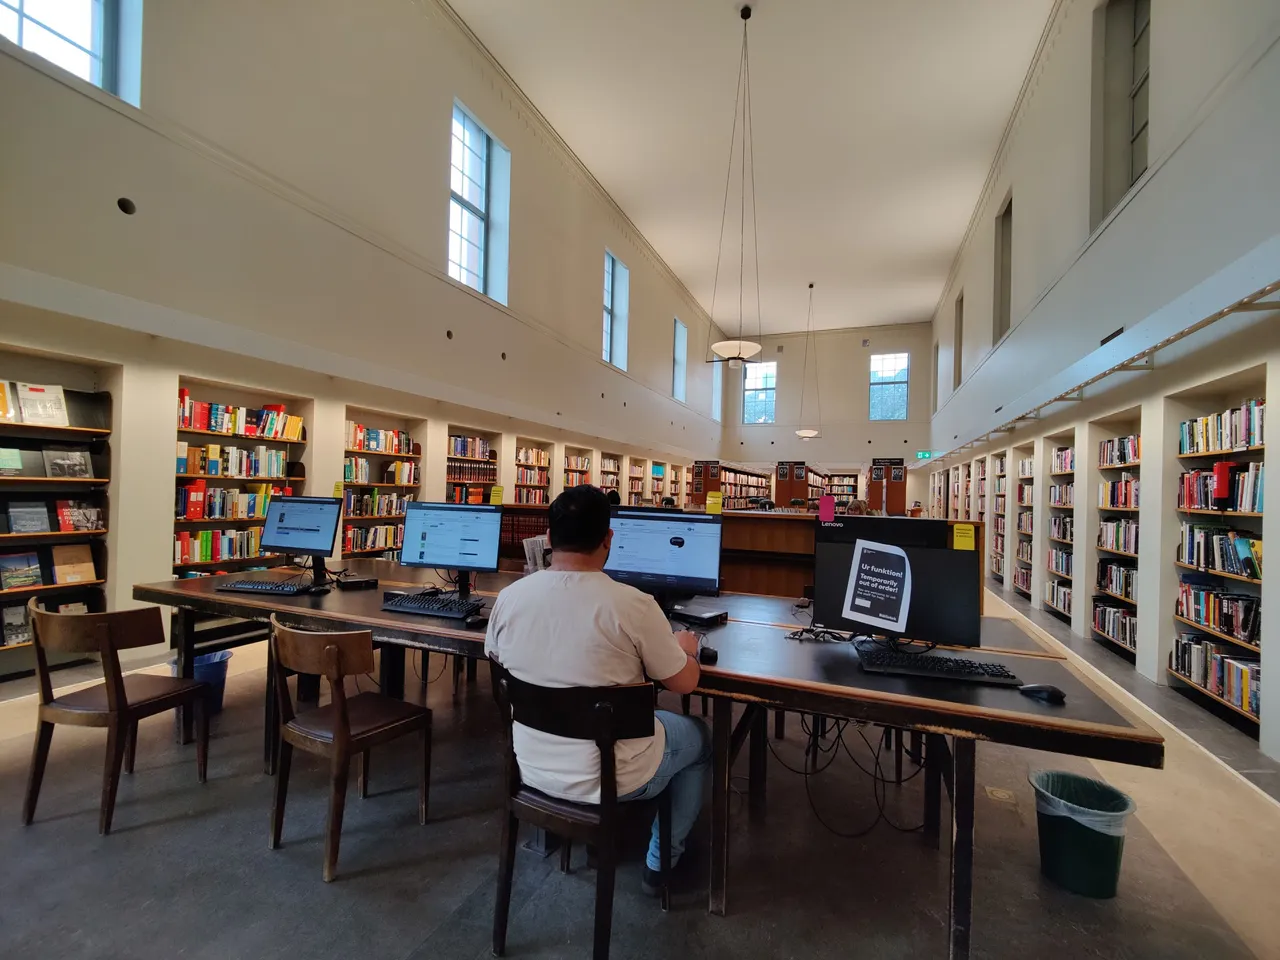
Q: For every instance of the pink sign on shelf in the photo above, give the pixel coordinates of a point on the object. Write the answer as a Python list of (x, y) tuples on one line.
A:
[(826, 508)]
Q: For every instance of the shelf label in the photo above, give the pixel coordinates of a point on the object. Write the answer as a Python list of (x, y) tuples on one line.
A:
[(715, 501), (337, 489), (495, 493), (962, 536)]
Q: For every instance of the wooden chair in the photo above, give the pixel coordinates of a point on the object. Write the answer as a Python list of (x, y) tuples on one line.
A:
[(604, 715), (117, 704), (346, 727)]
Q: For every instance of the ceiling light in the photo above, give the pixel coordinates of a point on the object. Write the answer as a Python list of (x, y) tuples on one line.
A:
[(808, 433)]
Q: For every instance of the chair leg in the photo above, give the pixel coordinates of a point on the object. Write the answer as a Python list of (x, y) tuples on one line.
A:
[(362, 775), (283, 762), (424, 777), (607, 862), (779, 724), (458, 668), (566, 854), (39, 755), (131, 749), (705, 706), (339, 772), (116, 734), (664, 841), (684, 703), (506, 871), (202, 738)]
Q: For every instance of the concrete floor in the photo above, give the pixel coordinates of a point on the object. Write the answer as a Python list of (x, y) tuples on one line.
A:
[(187, 871)]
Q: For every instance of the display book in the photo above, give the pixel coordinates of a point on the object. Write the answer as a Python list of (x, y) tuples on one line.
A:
[(470, 469)]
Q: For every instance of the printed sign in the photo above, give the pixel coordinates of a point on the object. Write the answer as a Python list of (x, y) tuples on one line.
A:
[(495, 493), (897, 474), (798, 473), (715, 502), (877, 474), (784, 471), (879, 590), (962, 536)]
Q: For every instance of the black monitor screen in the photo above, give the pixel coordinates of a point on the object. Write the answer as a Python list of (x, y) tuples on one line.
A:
[(665, 552), (301, 525), (890, 579), (454, 536)]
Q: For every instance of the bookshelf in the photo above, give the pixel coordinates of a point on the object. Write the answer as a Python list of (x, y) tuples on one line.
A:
[(998, 469), (471, 464), (978, 481), (533, 472), (1114, 617), (675, 489), (1025, 466), (843, 486), (261, 438), (818, 484), (966, 491), (378, 445), (610, 470), (636, 470), (740, 486), (688, 484), (53, 527), (1060, 504), (577, 466), (1216, 653), (658, 478)]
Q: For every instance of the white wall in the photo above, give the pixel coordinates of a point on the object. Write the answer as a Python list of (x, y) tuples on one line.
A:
[(1198, 231)]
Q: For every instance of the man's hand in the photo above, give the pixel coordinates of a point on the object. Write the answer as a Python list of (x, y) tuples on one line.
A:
[(688, 641)]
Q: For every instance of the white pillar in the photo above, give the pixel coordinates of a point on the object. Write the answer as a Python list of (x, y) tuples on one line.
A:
[(1084, 550), (1269, 708)]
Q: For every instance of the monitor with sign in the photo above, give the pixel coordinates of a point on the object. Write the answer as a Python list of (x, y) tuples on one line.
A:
[(665, 553)]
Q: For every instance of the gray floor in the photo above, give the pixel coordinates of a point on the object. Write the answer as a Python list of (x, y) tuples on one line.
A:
[(187, 871), (1214, 728)]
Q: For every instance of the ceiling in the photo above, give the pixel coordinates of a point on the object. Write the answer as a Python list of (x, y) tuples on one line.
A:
[(875, 126)]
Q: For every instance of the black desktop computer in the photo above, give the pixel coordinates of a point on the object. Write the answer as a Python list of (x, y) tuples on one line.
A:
[(462, 537), (671, 555), (295, 526)]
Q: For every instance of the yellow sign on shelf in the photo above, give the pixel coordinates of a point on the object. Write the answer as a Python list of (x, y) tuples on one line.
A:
[(495, 493), (337, 489), (962, 536), (715, 502)]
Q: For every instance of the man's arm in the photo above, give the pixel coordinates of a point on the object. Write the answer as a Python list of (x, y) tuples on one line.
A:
[(686, 679), (667, 657)]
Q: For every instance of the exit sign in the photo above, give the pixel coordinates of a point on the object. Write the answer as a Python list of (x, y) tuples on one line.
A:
[(924, 454)]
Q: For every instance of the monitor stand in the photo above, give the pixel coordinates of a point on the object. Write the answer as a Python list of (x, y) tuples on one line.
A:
[(319, 576)]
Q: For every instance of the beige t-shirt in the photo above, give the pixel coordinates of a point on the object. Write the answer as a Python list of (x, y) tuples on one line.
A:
[(569, 629)]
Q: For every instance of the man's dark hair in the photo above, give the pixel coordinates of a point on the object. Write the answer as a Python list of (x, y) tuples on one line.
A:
[(579, 519), (614, 498)]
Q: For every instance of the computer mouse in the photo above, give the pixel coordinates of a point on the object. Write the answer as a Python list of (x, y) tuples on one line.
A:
[(475, 620), (1046, 692), (708, 655)]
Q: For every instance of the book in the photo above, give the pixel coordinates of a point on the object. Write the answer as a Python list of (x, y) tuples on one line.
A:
[(10, 462), (78, 606), (61, 462), (8, 402), (73, 563), (182, 456), (76, 515), (17, 626), (28, 516), (20, 570), (43, 404)]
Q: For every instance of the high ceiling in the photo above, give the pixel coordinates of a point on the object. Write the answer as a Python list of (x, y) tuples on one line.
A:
[(875, 125)]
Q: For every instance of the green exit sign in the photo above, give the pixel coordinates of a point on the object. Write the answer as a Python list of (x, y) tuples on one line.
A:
[(924, 454)]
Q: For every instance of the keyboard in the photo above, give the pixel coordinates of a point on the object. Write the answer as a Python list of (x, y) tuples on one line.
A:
[(271, 588), (898, 664), (431, 605)]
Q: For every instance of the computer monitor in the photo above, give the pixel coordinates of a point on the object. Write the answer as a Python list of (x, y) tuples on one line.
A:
[(667, 553), (454, 536), (895, 577), (303, 525)]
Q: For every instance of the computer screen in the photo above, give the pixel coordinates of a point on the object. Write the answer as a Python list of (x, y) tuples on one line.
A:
[(896, 577), (305, 525), (454, 536), (665, 551)]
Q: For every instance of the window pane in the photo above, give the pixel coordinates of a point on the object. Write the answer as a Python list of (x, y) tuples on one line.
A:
[(1141, 56), (680, 345), (607, 352), (761, 375), (890, 367), (1138, 160), (466, 246), (1139, 108), (757, 406), (56, 50), (74, 19), (888, 401), (8, 24)]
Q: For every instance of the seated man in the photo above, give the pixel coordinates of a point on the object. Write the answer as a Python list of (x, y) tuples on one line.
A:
[(572, 626)]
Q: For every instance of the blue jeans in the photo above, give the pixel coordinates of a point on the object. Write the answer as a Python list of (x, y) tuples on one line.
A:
[(684, 771)]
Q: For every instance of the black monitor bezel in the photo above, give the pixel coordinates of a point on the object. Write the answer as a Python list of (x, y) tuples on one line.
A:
[(291, 551), (683, 588), (458, 507)]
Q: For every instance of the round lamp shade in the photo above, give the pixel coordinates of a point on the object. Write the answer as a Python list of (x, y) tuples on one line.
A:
[(735, 349)]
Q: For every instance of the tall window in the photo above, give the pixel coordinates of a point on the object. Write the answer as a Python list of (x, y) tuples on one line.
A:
[(936, 387), (1122, 63), (1004, 273), (889, 375), (617, 291), (679, 360), (77, 35), (1140, 69), (479, 199), (957, 359), (759, 391), (717, 391)]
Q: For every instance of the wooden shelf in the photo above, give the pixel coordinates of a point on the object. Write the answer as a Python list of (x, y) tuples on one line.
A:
[(367, 551), (1220, 513), (1117, 509), (227, 560), (997, 474), (470, 459), (1119, 553), (1060, 540), (238, 436), (1216, 634), (532, 486), (997, 553), (49, 535), (89, 481), (383, 453), (227, 476), (612, 473), (15, 646), (1062, 506), (1120, 466), (1221, 453), (1217, 573), (1117, 596), (1110, 639), (1061, 473), (1059, 609), (1204, 691), (471, 483), (47, 587), (31, 429), (183, 522), (1025, 593), (398, 486), (356, 518), (1025, 563)]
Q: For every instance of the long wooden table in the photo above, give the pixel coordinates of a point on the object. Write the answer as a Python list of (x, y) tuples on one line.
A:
[(759, 667)]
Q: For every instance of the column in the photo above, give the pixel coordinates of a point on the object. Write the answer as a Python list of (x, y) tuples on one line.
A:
[(1084, 549), (556, 470), (507, 466), (1269, 708), (435, 464), (1043, 454)]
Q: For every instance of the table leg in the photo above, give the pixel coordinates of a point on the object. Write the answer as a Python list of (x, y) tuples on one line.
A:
[(758, 760), (721, 735), (471, 670), (391, 670), (933, 750), (182, 630), (897, 754), (962, 847), (270, 719), (309, 688), (779, 724), (542, 843)]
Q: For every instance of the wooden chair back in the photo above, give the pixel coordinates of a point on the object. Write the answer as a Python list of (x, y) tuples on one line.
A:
[(105, 634), (332, 655), (604, 715)]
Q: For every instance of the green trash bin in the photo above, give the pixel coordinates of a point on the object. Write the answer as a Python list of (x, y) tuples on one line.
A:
[(1081, 824)]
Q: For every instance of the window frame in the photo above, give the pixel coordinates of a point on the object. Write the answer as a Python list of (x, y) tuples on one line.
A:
[(904, 382), (679, 361), (772, 390), (615, 313), (106, 33), (1138, 84), (467, 206)]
